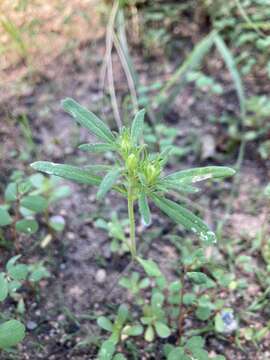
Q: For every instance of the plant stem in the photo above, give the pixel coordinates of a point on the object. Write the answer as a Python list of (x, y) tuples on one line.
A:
[(16, 218), (131, 223), (181, 305)]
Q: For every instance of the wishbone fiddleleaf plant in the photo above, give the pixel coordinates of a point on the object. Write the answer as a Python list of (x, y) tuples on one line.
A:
[(136, 174)]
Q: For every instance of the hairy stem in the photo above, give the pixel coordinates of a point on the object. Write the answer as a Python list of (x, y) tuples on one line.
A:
[(131, 222)]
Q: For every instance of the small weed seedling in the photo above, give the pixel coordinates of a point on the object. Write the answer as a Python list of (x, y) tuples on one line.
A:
[(27, 197), (135, 174), (120, 330), (116, 232), (139, 177), (16, 274)]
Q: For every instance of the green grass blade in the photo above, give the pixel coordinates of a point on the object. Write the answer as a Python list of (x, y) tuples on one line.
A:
[(230, 63), (185, 218), (68, 172), (88, 119), (16, 36), (177, 80)]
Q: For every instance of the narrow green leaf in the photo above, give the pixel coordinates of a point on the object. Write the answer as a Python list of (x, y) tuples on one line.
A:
[(149, 334), (35, 203), (107, 183), (105, 323), (3, 287), (88, 119), (186, 218), (97, 148), (67, 172), (150, 267), (98, 168), (199, 174), (144, 208), (137, 126), (165, 185), (230, 63), (11, 333), (5, 218), (27, 226)]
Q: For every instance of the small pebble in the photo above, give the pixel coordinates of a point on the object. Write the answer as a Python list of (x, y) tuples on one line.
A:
[(31, 325), (63, 266), (71, 236), (100, 276)]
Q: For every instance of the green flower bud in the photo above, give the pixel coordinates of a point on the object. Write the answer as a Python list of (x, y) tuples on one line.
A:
[(125, 142), (132, 162), (152, 172)]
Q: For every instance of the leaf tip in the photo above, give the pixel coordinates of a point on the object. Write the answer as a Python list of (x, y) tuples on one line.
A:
[(35, 165), (66, 102)]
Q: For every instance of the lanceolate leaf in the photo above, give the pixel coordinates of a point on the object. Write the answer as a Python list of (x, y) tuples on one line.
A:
[(97, 148), (144, 208), (164, 185), (98, 168), (108, 182), (199, 174), (186, 218), (137, 126), (89, 120), (105, 323), (67, 172)]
